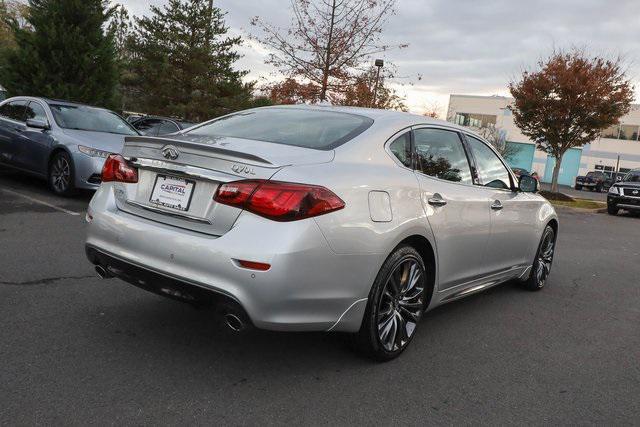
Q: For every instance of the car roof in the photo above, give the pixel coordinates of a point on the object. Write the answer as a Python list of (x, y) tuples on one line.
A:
[(49, 101)]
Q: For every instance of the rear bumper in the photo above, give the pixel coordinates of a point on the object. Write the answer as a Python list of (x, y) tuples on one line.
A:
[(307, 288)]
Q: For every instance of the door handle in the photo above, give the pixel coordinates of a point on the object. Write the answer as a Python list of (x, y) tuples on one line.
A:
[(497, 205), (437, 201)]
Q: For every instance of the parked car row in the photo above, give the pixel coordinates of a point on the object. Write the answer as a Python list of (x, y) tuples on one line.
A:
[(294, 218), (598, 180), (67, 143)]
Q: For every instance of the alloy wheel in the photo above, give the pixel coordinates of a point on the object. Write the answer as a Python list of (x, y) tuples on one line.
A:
[(545, 258), (61, 174), (401, 305)]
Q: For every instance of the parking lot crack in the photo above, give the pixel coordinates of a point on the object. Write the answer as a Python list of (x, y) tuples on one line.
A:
[(45, 281)]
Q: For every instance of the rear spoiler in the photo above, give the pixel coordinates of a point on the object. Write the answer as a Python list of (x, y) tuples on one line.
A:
[(186, 144)]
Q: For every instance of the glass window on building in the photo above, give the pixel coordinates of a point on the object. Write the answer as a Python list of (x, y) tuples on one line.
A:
[(475, 120), (629, 132), (611, 132)]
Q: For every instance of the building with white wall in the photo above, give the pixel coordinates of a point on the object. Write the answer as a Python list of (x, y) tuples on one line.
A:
[(618, 148)]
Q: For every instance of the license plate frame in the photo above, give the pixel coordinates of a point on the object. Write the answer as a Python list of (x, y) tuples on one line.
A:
[(189, 184)]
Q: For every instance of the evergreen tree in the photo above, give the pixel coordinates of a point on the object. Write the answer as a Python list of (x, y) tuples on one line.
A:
[(184, 62), (64, 53)]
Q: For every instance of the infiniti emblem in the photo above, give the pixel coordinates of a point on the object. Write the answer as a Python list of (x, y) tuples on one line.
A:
[(170, 152)]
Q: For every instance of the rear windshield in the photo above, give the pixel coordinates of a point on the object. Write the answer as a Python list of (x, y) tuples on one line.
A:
[(321, 130)]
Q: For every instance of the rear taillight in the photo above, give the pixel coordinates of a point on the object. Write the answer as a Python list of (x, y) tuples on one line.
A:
[(116, 169), (279, 201)]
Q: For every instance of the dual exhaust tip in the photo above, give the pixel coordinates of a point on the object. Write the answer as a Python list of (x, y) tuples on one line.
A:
[(232, 315)]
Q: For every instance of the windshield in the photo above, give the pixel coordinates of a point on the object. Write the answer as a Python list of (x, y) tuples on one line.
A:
[(633, 176), (89, 118), (322, 130)]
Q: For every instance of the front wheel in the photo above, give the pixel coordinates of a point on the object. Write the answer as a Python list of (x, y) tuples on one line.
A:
[(578, 187), (395, 306), (542, 264), (612, 210), (61, 174)]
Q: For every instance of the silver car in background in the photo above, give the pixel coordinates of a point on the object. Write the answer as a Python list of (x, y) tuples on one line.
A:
[(63, 142), (316, 218)]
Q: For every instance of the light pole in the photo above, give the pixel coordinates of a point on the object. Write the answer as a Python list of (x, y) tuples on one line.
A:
[(379, 63)]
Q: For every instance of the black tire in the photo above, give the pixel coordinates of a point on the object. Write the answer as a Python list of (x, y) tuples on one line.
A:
[(61, 175), (543, 261), (579, 187), (396, 313), (599, 188), (612, 210)]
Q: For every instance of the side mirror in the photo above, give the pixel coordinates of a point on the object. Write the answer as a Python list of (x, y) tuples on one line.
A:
[(38, 124), (528, 184)]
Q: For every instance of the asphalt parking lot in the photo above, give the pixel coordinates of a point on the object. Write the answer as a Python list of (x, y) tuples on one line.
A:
[(77, 350)]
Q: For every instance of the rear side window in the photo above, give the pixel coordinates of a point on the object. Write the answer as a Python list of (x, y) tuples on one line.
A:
[(401, 148), (439, 153), (167, 127), (14, 110), (321, 130), (491, 170)]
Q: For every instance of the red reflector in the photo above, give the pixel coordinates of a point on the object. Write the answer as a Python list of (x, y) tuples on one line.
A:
[(254, 265), (279, 201), (116, 169)]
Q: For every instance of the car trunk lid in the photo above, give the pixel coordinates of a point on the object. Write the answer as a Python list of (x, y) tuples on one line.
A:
[(179, 175)]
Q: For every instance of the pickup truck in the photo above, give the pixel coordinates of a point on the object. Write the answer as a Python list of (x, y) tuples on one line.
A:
[(594, 180)]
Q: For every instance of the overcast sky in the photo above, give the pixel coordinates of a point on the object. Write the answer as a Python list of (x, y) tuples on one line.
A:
[(466, 46)]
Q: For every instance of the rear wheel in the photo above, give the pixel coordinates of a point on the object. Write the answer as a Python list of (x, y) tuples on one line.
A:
[(395, 306), (542, 263), (61, 174)]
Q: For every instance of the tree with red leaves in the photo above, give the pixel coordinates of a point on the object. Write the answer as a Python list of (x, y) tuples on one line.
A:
[(569, 100)]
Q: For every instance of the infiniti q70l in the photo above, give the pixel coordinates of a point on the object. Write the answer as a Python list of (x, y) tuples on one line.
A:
[(318, 218)]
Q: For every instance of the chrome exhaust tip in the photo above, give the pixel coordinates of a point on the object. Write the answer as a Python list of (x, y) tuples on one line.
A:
[(102, 272), (234, 322)]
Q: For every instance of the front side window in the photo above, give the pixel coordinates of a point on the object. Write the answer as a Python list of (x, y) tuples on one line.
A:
[(14, 110), (308, 128), (401, 148), (36, 112), (439, 153), (491, 171), (82, 117)]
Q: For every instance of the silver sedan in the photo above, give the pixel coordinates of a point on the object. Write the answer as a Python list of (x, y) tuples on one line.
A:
[(314, 218), (65, 143)]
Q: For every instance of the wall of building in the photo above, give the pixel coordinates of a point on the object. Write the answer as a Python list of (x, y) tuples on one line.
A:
[(600, 154)]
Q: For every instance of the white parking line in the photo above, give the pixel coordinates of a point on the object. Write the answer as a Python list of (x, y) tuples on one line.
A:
[(41, 202)]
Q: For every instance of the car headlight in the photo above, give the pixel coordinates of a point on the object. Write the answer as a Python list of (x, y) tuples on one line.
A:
[(613, 190), (93, 152)]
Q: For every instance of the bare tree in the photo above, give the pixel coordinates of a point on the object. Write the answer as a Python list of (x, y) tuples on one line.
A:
[(327, 40)]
